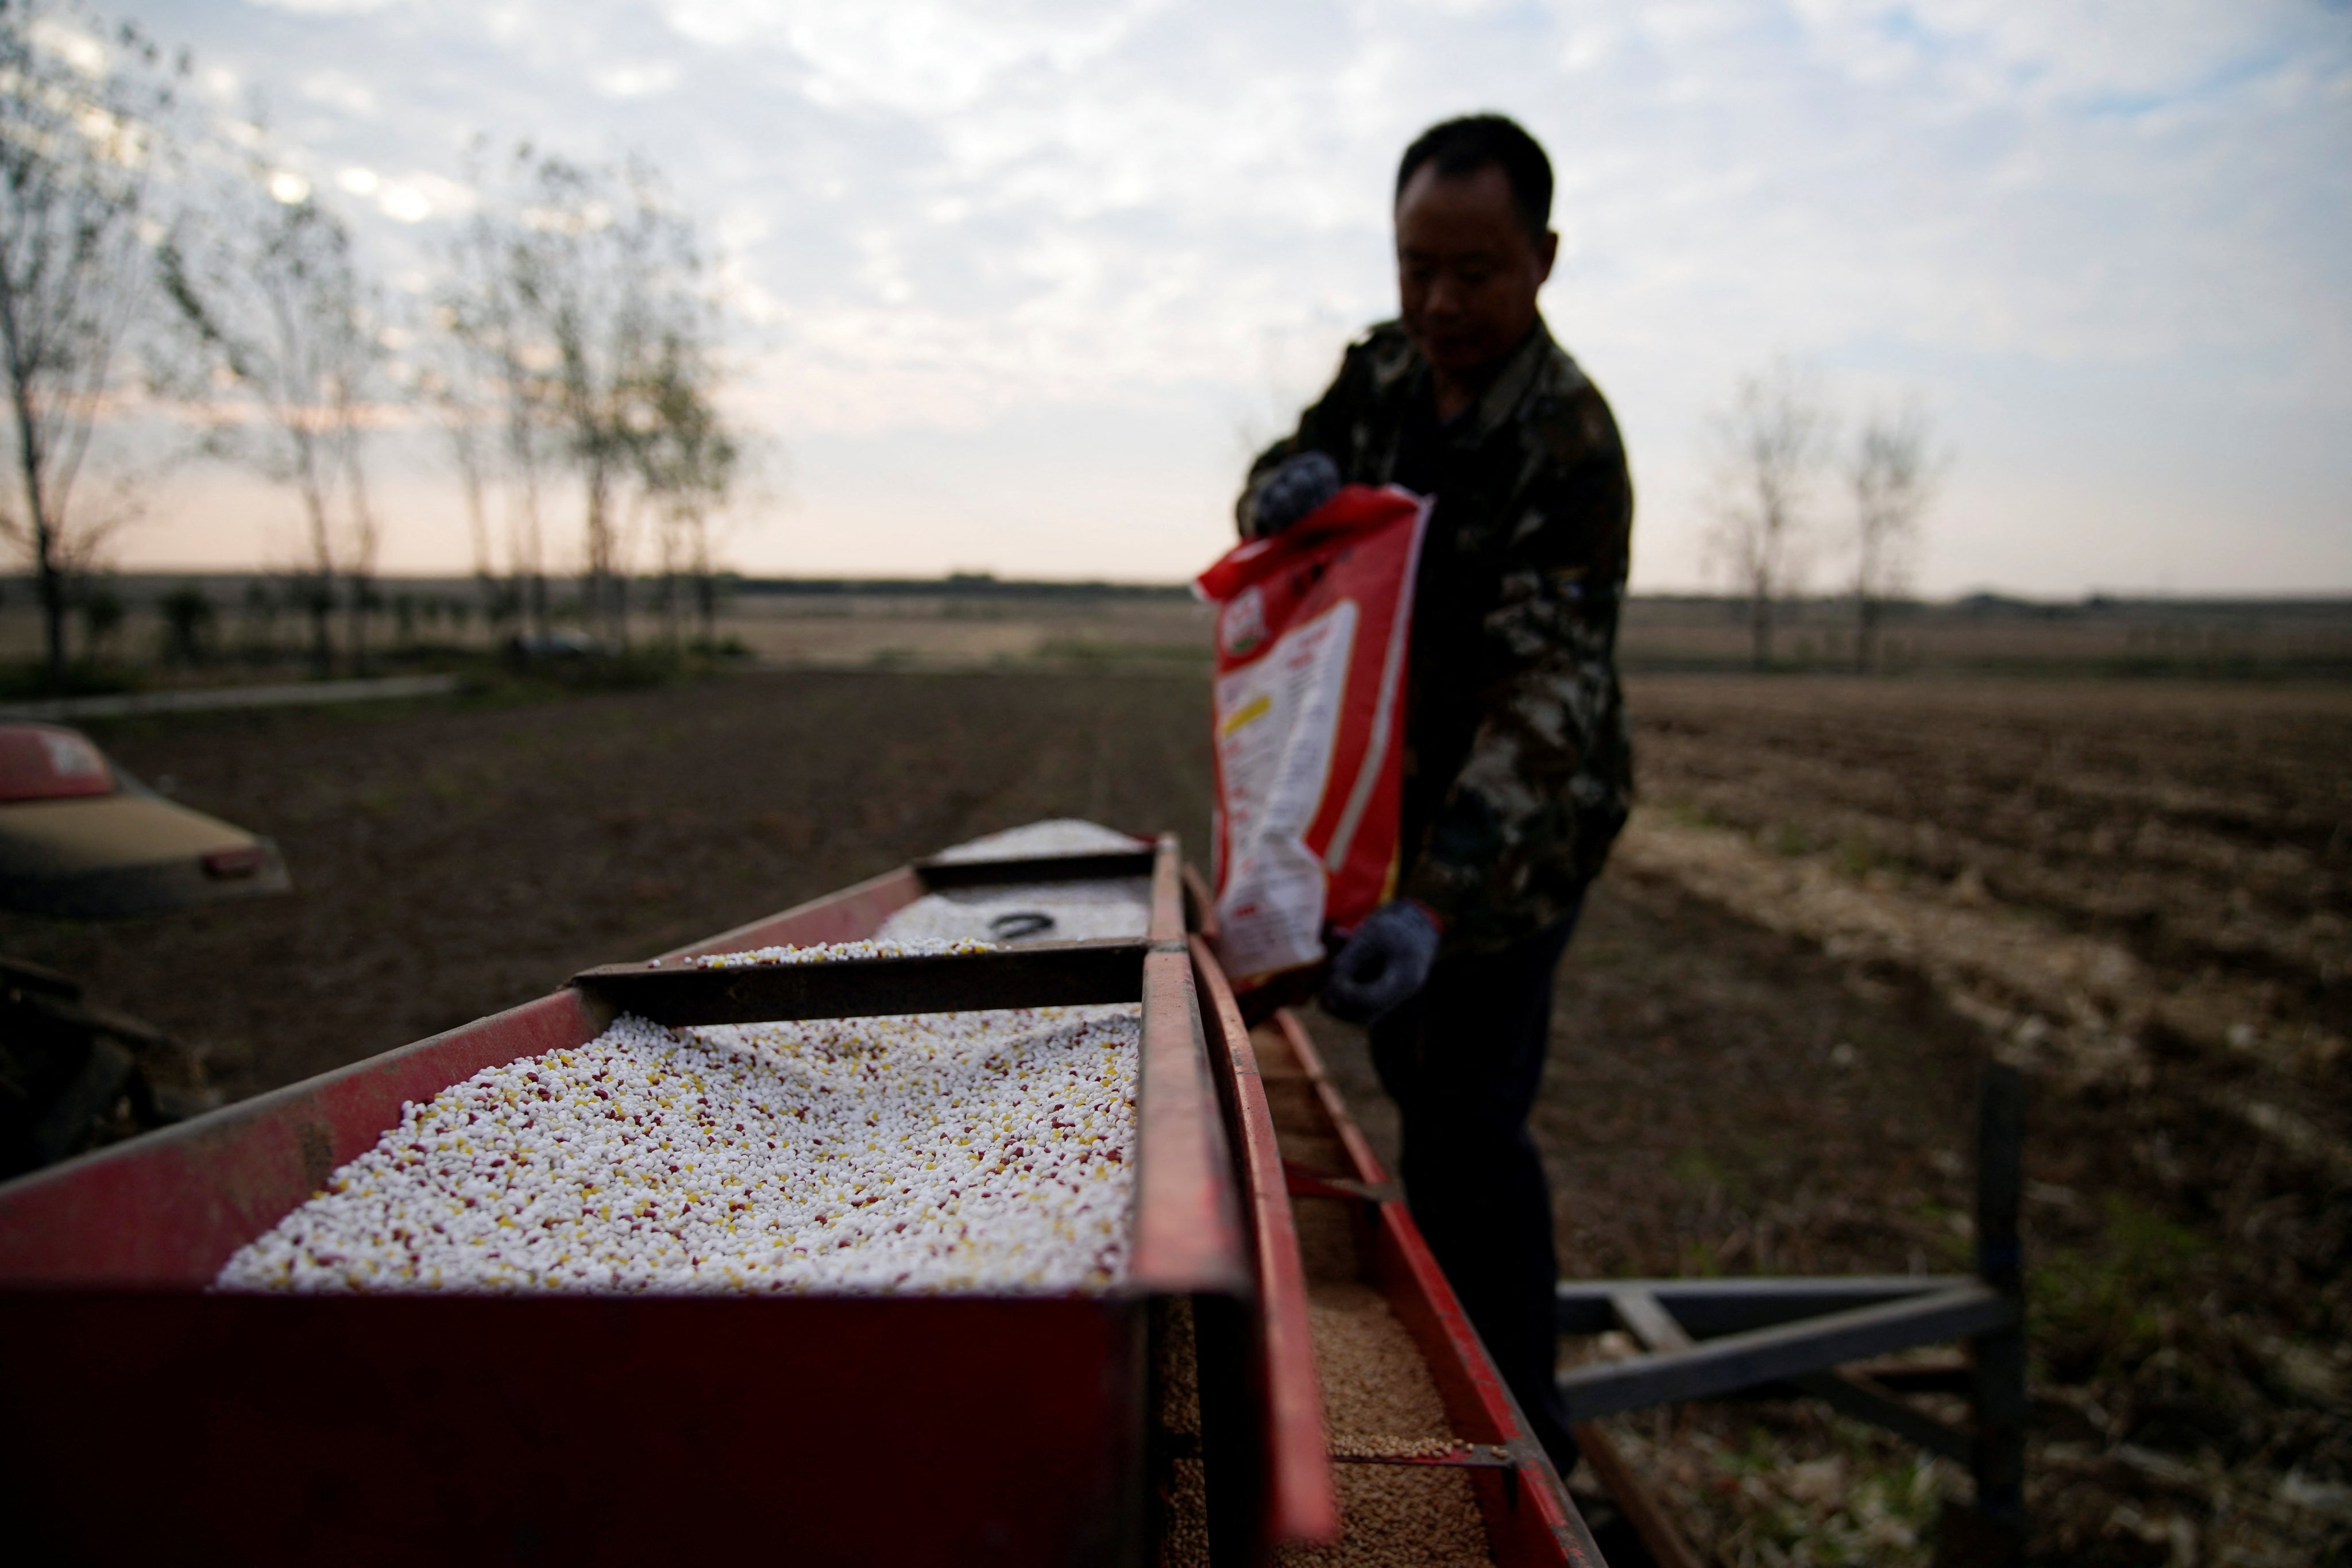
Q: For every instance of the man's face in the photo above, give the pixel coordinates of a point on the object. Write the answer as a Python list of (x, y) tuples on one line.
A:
[(1467, 269)]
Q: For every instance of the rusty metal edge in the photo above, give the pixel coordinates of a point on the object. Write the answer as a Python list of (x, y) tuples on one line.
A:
[(1302, 1499)]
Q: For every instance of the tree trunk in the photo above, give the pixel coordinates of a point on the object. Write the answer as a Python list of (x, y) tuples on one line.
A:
[(53, 605), (357, 636), (322, 643), (1759, 626), (45, 546)]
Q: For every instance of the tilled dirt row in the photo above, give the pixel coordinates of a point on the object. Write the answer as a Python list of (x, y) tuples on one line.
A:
[(2139, 893), (2205, 829)]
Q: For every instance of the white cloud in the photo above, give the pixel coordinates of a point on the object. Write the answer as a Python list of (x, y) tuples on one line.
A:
[(949, 220), (635, 80), (70, 44), (322, 7), (404, 203), (339, 90)]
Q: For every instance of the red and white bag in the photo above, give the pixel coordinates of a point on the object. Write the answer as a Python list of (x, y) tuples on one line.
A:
[(1312, 629)]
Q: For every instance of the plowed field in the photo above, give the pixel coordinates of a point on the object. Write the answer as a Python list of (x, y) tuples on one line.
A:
[(1836, 901)]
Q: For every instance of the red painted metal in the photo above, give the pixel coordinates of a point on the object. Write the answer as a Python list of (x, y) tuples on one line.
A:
[(1188, 1231), (1301, 1500), (167, 1210), (474, 1428), (1529, 1517), (1167, 890), (139, 1429), (1199, 904)]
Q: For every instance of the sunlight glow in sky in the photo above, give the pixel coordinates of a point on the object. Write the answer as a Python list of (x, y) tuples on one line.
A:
[(1023, 282)]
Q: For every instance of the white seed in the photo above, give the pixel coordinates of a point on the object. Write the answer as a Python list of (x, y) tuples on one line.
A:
[(936, 1152)]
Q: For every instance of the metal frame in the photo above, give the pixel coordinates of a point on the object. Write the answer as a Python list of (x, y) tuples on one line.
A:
[(1777, 1338)]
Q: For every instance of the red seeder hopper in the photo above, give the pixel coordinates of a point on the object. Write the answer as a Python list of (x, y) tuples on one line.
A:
[(142, 1414)]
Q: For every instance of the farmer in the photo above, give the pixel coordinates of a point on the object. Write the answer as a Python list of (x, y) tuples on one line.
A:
[(1518, 770)]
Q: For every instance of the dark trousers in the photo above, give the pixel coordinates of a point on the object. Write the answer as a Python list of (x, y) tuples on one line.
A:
[(1463, 1060)]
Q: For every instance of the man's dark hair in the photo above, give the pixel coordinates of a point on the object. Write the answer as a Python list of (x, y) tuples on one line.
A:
[(1466, 145)]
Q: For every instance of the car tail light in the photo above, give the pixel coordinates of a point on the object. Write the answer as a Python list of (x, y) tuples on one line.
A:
[(228, 864)]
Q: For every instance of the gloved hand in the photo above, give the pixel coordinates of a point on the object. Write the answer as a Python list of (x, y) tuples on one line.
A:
[(1292, 489), (1383, 963)]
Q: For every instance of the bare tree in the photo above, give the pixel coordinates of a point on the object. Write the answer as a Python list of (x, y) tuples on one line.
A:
[(277, 309), (81, 113), (501, 377), (585, 279), (1771, 443), (688, 461), (446, 388), (1893, 476)]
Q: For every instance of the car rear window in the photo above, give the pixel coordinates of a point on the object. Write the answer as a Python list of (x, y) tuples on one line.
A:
[(39, 761)]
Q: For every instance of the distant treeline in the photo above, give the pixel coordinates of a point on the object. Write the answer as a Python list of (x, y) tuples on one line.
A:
[(144, 588), (958, 585)]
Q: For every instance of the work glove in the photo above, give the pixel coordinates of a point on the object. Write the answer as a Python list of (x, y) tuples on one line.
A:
[(1383, 963), (1290, 489)]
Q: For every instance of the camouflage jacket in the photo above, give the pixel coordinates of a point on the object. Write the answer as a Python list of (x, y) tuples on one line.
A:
[(1518, 766)]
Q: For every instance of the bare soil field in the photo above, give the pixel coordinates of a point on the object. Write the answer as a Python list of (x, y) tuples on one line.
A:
[(807, 630), (251, 635), (1837, 899), (2141, 893), (450, 860)]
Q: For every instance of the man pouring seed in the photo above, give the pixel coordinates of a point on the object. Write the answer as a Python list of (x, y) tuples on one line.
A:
[(1518, 769)]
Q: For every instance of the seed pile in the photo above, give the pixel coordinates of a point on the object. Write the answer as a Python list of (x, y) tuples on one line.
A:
[(1006, 912), (1072, 911), (1055, 836), (937, 1153), (1370, 1448)]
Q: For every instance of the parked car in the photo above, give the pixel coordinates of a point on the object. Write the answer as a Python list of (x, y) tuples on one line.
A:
[(82, 839)]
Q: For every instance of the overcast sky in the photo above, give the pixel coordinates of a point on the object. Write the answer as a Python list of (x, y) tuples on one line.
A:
[(1021, 282)]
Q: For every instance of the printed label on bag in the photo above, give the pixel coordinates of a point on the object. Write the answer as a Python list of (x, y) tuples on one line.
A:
[(1312, 628)]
